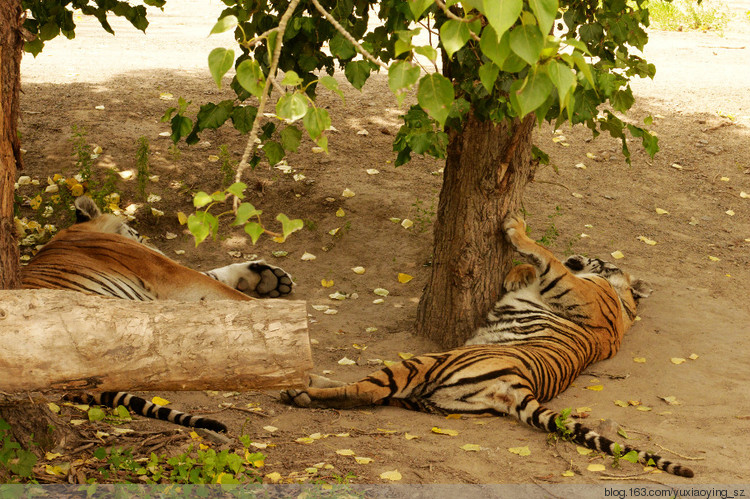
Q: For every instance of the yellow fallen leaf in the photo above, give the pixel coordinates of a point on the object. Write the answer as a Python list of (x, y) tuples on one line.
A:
[(275, 477), (304, 440), (166, 96), (49, 456), (358, 270), (160, 401), (671, 400), (646, 240), (693, 356), (453, 416), (677, 360), (55, 470), (441, 431), (53, 407), (383, 430), (567, 473), (660, 211), (714, 259), (348, 193), (470, 447), (596, 467), (405, 355), (391, 475), (596, 388), (340, 213), (643, 408), (639, 360), (581, 410), (270, 428), (359, 347), (213, 158), (381, 291), (404, 278), (621, 403), (363, 460), (676, 166), (409, 436), (406, 223), (634, 402), (577, 195), (346, 362), (326, 283), (724, 179), (345, 452), (744, 195), (617, 255), (521, 451), (583, 450), (730, 213), (335, 231)]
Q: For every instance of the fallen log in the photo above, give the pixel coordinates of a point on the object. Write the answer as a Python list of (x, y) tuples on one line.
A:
[(63, 340)]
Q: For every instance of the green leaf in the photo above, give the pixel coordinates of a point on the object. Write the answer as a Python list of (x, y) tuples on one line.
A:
[(96, 414), (291, 78), (435, 95), (401, 76), (243, 117), (454, 35), (48, 31), (332, 84), (545, 12), (622, 100), (534, 91), (563, 78), (341, 47), (316, 121), (578, 60), (250, 77), (219, 196), (487, 75), (197, 226), (322, 142), (220, 61), (224, 24), (181, 127), (245, 212), (357, 73), (427, 52), (213, 116), (502, 14), (274, 152), (417, 7), (527, 42), (237, 189), (288, 226), (290, 138), (291, 106), (201, 199), (122, 412), (631, 456), (496, 49)]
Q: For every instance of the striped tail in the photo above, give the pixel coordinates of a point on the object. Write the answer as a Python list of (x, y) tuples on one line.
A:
[(148, 409), (538, 416)]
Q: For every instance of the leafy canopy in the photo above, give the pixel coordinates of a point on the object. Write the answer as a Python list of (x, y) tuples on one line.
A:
[(499, 60)]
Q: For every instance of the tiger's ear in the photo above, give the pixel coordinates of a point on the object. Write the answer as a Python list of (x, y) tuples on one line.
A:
[(640, 289), (86, 209)]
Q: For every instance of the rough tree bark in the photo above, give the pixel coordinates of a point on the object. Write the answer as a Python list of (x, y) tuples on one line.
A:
[(11, 49), (487, 167), (63, 340)]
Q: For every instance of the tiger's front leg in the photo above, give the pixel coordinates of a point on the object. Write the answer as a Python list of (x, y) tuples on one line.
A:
[(540, 257), (323, 393)]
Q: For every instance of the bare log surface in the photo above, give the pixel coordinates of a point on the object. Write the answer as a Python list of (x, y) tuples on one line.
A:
[(63, 340)]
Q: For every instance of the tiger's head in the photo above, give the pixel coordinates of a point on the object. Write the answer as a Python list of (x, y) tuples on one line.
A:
[(629, 289)]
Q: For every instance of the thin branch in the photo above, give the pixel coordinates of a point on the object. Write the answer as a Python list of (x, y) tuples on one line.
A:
[(453, 16), (257, 39), (251, 141), (346, 35), (511, 150)]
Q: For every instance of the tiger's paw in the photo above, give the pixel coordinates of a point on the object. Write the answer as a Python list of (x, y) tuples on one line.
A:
[(274, 281), (519, 277), (295, 397), (514, 226)]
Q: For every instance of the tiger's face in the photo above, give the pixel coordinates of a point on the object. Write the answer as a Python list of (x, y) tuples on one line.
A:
[(629, 289)]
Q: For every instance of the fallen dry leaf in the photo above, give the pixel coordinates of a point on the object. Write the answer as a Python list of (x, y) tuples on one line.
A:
[(521, 451), (617, 255), (583, 450), (470, 447), (639, 360), (441, 431), (595, 388), (404, 278), (326, 283), (345, 452), (693, 356), (621, 403), (159, 401), (660, 211), (391, 475), (646, 240), (596, 467), (363, 460), (677, 360)]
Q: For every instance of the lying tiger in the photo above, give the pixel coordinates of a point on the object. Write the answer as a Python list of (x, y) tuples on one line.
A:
[(102, 255), (554, 320)]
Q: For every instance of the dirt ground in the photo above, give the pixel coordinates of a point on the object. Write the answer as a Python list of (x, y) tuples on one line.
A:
[(700, 101)]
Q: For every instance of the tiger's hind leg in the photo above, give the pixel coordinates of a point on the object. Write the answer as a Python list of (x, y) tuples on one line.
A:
[(254, 278)]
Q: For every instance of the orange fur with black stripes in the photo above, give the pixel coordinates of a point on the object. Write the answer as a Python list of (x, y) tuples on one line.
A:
[(553, 321)]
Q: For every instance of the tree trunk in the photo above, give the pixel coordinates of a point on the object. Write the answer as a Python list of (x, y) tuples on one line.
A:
[(11, 46), (487, 167), (64, 340)]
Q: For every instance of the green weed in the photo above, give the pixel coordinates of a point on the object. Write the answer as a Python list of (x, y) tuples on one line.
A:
[(679, 15), (142, 165), (16, 464)]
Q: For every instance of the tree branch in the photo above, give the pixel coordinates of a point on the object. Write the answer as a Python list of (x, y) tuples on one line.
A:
[(512, 146)]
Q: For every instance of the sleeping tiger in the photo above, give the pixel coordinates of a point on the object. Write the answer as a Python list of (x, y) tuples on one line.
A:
[(102, 255), (554, 320)]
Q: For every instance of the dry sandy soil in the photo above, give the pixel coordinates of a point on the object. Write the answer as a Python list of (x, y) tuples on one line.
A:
[(700, 100)]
